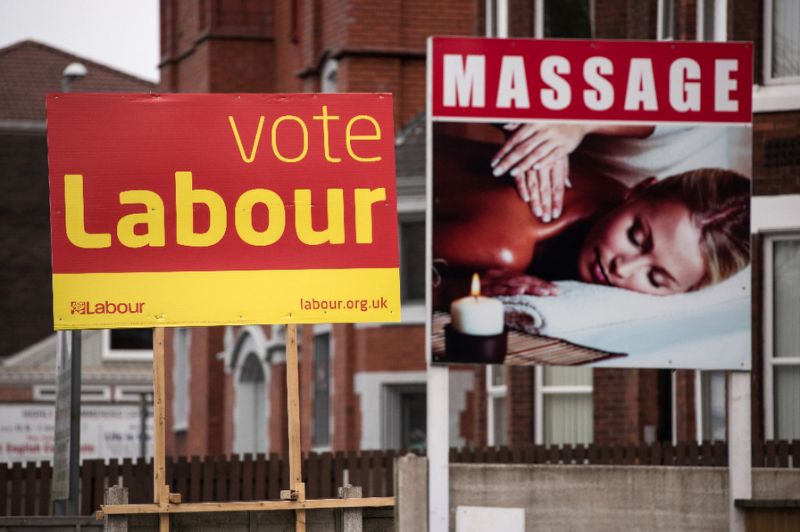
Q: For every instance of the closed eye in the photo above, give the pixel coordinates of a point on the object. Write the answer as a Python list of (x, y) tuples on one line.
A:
[(656, 278), (637, 235), (660, 278)]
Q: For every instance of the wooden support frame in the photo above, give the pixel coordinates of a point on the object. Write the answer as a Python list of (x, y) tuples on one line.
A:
[(166, 503)]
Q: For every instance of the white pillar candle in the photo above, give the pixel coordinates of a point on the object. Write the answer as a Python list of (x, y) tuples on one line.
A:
[(477, 315)]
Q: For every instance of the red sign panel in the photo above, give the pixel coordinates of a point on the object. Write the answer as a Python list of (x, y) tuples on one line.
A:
[(524, 79), (233, 188)]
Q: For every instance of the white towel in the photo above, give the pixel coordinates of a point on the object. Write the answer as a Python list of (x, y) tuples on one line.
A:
[(581, 306), (645, 326)]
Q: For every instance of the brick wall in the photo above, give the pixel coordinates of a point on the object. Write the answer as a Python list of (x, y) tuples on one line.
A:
[(346, 410), (479, 437), (625, 19), (206, 433), (16, 394), (24, 242), (686, 429), (776, 153), (520, 381), (625, 402)]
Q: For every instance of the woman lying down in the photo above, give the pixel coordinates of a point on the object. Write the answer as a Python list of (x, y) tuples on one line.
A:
[(677, 235)]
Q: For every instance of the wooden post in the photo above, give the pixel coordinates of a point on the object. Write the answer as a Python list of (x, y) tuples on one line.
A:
[(160, 488), (296, 488)]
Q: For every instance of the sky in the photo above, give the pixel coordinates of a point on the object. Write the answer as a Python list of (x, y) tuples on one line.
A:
[(122, 34)]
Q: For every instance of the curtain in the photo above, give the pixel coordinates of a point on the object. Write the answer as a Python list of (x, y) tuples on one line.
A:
[(786, 336), (785, 38), (568, 418)]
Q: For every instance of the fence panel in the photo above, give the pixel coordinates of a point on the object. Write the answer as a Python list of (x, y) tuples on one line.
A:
[(25, 488), (45, 486)]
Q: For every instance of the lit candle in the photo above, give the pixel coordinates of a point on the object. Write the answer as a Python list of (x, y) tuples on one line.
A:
[(477, 315)]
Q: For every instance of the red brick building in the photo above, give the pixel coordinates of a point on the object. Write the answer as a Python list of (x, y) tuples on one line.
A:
[(363, 386), (113, 379)]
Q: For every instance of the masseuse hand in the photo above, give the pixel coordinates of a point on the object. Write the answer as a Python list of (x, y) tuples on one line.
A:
[(502, 283), (535, 155)]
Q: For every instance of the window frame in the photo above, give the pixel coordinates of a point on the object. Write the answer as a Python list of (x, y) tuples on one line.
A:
[(766, 69), (122, 355), (181, 379), (703, 380), (322, 447), (540, 390), (406, 218), (494, 392), (768, 299)]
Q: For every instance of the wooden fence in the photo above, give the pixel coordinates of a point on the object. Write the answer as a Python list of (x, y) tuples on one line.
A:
[(25, 488)]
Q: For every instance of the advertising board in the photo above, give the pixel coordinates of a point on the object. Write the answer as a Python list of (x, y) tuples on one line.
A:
[(590, 202), (204, 209)]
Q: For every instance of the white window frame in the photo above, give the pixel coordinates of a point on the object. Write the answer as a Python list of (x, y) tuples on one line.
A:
[(241, 438), (132, 393), (540, 390), (767, 51), (495, 391), (496, 18), (122, 355), (770, 361), (391, 400), (90, 393), (329, 76), (665, 20), (776, 94), (701, 393)]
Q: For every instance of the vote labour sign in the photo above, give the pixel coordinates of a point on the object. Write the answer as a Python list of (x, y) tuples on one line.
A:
[(179, 209)]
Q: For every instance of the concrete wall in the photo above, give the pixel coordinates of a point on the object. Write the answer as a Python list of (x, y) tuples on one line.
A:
[(599, 498), (375, 520)]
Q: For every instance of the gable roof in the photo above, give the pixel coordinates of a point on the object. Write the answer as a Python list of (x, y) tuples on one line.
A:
[(29, 70)]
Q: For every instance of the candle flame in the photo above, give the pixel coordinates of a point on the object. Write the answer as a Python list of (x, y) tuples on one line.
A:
[(475, 289)]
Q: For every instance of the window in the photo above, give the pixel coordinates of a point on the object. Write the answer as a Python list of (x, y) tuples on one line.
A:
[(781, 41), (321, 434), (497, 406), (251, 407), (707, 20), (329, 77), (711, 419), (181, 338), (128, 344), (782, 336), (568, 18), (405, 416), (564, 411), (496, 18), (665, 21), (412, 260)]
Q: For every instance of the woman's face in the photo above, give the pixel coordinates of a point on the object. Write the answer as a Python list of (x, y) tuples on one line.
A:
[(647, 246)]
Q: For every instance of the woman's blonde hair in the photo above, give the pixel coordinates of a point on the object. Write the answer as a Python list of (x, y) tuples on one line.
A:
[(719, 204)]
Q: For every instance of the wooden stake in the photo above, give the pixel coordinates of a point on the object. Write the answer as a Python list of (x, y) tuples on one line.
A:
[(296, 487), (160, 489)]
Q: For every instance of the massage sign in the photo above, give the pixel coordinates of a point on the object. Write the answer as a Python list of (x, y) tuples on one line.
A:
[(590, 202), (172, 210)]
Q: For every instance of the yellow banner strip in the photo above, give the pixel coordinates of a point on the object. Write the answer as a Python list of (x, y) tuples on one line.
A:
[(163, 299)]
